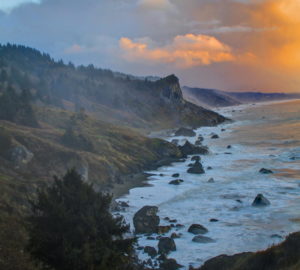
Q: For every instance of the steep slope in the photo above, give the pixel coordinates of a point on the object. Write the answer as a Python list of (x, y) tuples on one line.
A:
[(281, 257), (54, 117), (128, 101)]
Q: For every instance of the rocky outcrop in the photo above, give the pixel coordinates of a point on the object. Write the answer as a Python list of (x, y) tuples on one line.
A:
[(163, 229), (170, 264), (187, 132), (211, 180), (190, 149), (166, 245), (176, 182), (197, 229), (203, 239), (20, 155), (265, 171), (151, 251), (215, 136), (146, 220), (284, 256), (197, 168), (260, 200), (196, 158)]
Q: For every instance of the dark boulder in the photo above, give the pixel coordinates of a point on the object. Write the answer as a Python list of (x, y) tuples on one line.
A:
[(211, 180), (213, 220), (176, 182), (265, 171), (200, 138), (166, 245), (229, 146), (190, 149), (215, 136), (203, 239), (197, 168), (197, 229), (185, 132), (175, 235), (123, 204), (175, 175), (151, 251), (170, 264), (146, 220), (163, 229), (198, 143), (196, 158), (260, 200)]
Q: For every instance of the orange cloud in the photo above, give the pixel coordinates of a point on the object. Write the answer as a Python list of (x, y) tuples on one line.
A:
[(185, 51), (155, 4)]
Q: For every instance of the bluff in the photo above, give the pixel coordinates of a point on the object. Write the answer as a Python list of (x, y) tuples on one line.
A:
[(284, 256), (55, 116), (106, 95)]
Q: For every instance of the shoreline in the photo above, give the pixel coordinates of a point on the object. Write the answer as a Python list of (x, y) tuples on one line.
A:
[(158, 181), (139, 179)]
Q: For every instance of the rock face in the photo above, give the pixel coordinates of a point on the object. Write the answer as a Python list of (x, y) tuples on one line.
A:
[(197, 229), (265, 171), (170, 264), (151, 251), (146, 220), (190, 149), (176, 182), (20, 155), (163, 229), (196, 158), (198, 143), (166, 245), (260, 200), (197, 168), (211, 180), (203, 239), (187, 132)]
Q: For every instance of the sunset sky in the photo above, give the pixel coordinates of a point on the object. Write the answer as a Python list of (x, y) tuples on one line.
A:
[(238, 45)]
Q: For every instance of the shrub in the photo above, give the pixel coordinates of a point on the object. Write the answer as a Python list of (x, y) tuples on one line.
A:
[(71, 228)]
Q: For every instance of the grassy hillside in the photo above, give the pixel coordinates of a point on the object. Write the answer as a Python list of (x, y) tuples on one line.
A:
[(54, 117), (113, 97), (281, 257)]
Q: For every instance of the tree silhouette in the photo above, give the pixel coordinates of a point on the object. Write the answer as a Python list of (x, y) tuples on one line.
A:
[(71, 228)]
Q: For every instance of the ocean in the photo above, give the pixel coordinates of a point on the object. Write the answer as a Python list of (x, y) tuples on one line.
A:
[(265, 135)]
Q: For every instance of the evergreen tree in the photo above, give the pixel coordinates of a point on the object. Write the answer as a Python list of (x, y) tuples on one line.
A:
[(3, 76), (71, 228)]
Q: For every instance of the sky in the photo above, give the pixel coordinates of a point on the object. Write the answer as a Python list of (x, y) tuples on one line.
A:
[(235, 45)]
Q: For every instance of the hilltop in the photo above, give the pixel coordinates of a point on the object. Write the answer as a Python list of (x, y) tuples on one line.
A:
[(55, 116)]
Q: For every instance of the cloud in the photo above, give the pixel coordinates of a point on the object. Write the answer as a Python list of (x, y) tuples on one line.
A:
[(156, 5), (8, 5), (185, 51), (258, 40), (74, 49)]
